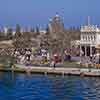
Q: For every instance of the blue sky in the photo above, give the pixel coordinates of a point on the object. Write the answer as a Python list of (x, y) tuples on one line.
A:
[(37, 12)]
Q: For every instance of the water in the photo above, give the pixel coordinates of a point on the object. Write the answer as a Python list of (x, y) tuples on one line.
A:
[(39, 87)]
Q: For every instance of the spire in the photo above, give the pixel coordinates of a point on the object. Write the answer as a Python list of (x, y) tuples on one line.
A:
[(88, 20), (57, 15), (50, 20)]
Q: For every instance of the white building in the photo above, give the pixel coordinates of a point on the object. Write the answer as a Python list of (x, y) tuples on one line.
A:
[(42, 32), (89, 39), (5, 29)]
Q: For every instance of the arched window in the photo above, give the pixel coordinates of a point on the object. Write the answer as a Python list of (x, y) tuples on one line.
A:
[(94, 37), (83, 37), (91, 37), (88, 37)]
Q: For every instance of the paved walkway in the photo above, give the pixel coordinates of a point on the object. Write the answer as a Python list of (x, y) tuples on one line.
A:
[(67, 71), (50, 70)]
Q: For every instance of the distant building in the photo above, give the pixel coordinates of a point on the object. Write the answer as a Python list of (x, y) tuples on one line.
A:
[(56, 25), (5, 30), (89, 39), (13, 31), (42, 32)]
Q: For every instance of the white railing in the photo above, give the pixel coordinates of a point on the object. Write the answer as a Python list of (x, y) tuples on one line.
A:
[(88, 42), (90, 28)]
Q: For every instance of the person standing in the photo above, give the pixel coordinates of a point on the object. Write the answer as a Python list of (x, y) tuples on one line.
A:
[(55, 59), (99, 59)]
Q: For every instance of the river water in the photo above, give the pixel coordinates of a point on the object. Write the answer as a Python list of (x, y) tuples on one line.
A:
[(15, 86)]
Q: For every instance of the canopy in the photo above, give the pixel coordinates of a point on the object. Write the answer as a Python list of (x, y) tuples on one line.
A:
[(97, 46)]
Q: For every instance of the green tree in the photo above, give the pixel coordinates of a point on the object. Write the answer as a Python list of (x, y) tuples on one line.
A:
[(18, 40), (27, 39), (37, 31), (2, 36), (33, 33), (32, 30), (9, 34), (18, 31)]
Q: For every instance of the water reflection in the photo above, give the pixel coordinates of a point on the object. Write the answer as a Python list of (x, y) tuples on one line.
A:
[(14, 86)]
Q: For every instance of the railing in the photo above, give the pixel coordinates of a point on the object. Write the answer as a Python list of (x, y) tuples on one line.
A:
[(89, 28), (87, 42)]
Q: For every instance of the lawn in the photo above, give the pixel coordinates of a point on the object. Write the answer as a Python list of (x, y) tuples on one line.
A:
[(70, 64), (73, 64), (6, 60)]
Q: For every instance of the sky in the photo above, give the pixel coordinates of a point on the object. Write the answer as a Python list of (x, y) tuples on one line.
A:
[(38, 12)]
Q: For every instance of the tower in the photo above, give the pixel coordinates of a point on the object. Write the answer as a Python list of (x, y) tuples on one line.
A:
[(56, 25)]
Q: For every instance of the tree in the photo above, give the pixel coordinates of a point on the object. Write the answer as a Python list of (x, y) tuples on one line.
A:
[(32, 30), (9, 34), (33, 33), (62, 40), (27, 39), (2, 36), (18, 40), (47, 30), (18, 31), (37, 30)]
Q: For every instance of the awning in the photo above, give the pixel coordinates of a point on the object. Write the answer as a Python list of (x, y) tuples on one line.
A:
[(97, 46)]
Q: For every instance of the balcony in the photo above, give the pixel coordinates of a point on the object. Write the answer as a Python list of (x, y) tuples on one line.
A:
[(90, 28)]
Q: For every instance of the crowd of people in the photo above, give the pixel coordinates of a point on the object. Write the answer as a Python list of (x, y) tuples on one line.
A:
[(29, 57), (22, 55), (92, 59)]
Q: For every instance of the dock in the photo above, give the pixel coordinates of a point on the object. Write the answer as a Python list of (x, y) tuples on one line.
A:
[(91, 72)]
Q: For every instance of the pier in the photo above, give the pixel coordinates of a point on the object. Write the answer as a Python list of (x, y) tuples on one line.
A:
[(93, 72)]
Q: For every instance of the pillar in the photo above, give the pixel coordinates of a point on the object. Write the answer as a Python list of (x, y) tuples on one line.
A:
[(85, 50), (80, 50), (90, 50), (80, 53)]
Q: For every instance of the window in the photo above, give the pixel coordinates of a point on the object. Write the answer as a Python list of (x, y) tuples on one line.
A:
[(91, 37), (94, 37), (83, 37), (88, 37)]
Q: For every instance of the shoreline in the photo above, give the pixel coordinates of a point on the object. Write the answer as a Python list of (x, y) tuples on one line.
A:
[(88, 72)]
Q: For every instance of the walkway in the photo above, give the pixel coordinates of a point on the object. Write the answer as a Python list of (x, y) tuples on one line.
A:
[(50, 70)]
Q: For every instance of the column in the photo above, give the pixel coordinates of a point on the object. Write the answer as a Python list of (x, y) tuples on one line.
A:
[(90, 50), (85, 50), (80, 50), (80, 53)]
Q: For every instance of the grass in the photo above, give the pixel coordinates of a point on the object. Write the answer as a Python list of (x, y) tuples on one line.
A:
[(71, 64), (7, 60)]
